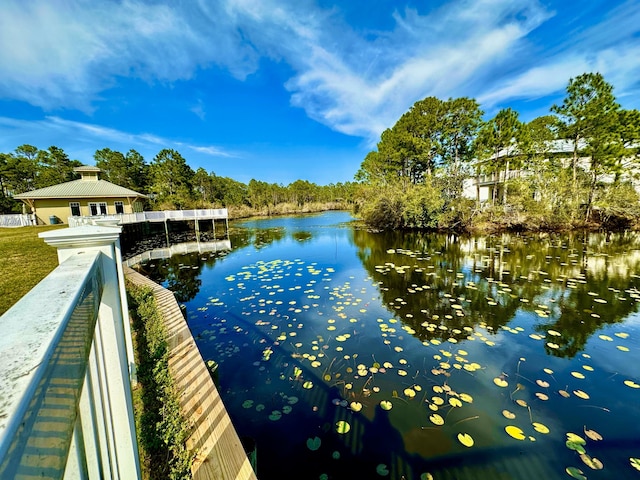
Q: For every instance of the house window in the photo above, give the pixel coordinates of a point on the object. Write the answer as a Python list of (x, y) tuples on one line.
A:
[(75, 209), (119, 207), (98, 209)]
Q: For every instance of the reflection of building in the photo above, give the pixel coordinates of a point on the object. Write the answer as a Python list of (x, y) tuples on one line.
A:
[(88, 196)]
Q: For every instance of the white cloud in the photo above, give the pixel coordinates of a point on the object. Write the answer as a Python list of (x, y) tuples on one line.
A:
[(611, 47), (66, 54), (80, 140)]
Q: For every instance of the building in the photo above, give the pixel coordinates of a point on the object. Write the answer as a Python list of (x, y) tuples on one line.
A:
[(88, 196)]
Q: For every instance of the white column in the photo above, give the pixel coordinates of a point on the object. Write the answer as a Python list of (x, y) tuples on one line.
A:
[(114, 335)]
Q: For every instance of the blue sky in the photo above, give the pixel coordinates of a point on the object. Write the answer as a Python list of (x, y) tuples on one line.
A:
[(285, 90)]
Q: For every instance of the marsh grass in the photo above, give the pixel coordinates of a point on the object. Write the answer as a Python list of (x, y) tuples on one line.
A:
[(25, 259)]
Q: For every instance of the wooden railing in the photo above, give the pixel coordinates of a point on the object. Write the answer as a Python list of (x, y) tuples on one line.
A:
[(67, 364)]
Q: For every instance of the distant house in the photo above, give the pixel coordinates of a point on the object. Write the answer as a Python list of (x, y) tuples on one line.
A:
[(88, 196), (482, 187)]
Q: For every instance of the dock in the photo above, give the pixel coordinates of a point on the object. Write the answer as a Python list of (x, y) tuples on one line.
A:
[(219, 451)]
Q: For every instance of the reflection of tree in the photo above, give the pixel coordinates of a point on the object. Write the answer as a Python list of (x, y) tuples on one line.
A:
[(302, 236), (494, 277), (263, 238)]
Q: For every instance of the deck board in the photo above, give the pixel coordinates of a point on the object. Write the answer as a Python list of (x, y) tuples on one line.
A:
[(219, 452)]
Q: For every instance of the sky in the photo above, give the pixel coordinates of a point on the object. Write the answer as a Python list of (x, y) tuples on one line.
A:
[(281, 90)]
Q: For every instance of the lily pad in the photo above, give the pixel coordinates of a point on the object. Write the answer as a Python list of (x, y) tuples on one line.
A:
[(275, 415), (342, 427), (575, 473), (436, 419), (540, 428), (382, 470), (515, 432), (501, 382), (465, 439), (314, 443), (386, 405)]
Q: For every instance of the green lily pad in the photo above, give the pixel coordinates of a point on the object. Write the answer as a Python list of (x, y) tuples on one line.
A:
[(335, 455), (575, 473), (578, 447), (314, 443), (247, 404), (382, 470), (275, 415)]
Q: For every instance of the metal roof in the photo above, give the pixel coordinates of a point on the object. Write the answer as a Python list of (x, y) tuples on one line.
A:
[(81, 189)]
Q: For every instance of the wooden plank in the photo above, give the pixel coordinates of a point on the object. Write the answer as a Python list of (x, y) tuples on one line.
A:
[(219, 452)]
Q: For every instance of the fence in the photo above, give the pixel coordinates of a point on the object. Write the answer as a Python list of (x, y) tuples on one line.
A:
[(17, 220), (67, 360)]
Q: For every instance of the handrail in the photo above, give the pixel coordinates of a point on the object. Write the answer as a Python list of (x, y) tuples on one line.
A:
[(153, 216), (65, 395), (45, 343)]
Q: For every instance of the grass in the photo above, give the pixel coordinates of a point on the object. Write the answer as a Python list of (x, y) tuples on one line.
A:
[(25, 259)]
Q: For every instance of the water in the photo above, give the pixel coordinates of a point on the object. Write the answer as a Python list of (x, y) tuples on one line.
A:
[(320, 327)]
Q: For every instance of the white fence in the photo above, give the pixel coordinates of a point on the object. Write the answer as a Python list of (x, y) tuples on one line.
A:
[(154, 216), (17, 220), (67, 359)]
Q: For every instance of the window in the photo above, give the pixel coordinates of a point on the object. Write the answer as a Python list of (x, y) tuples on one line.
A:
[(97, 209), (119, 207), (75, 209)]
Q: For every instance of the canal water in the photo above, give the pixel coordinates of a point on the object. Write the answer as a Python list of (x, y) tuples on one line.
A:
[(347, 354)]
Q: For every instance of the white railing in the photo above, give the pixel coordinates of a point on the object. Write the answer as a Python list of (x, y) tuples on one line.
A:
[(154, 216), (178, 249), (67, 363), (17, 220)]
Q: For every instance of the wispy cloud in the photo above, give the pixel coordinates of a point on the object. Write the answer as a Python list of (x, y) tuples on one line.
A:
[(354, 81), (80, 140)]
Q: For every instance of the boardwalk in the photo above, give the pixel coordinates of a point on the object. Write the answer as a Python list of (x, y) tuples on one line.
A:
[(219, 453), (212, 214)]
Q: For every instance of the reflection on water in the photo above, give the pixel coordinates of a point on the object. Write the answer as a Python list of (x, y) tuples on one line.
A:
[(347, 354)]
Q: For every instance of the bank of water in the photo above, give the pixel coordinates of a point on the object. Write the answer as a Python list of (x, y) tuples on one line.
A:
[(349, 354)]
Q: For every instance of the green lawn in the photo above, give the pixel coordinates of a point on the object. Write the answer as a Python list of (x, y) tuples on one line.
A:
[(24, 260)]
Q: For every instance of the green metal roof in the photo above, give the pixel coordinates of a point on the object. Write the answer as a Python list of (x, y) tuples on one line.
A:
[(81, 189)]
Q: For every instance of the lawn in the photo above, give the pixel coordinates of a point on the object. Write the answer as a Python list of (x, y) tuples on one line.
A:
[(24, 260)]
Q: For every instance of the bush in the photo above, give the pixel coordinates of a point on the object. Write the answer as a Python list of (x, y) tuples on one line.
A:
[(161, 428)]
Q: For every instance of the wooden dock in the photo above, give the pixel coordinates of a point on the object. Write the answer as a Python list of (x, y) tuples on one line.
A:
[(219, 452)]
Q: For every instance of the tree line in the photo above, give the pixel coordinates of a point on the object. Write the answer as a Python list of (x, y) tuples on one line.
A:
[(573, 167), (168, 180)]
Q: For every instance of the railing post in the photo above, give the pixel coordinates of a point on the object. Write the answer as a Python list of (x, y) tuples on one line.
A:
[(112, 343)]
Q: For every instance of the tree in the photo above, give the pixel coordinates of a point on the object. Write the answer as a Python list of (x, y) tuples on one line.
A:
[(54, 167), (129, 171), (588, 105), (498, 138), (22, 168), (629, 131), (171, 179), (458, 128)]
